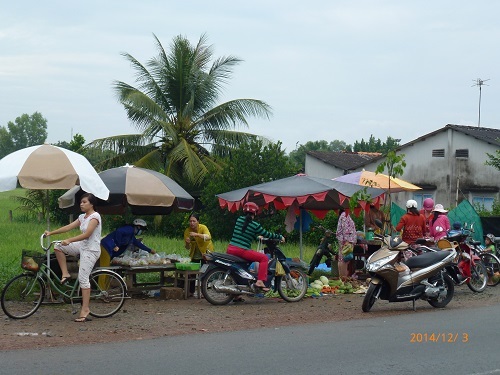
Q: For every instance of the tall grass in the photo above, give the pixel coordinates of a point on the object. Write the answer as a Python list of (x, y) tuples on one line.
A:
[(23, 233)]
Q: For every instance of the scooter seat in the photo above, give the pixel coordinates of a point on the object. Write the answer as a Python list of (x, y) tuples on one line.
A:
[(230, 258), (426, 259)]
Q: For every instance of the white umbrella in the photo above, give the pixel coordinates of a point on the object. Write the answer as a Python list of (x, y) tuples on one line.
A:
[(47, 167), (50, 167)]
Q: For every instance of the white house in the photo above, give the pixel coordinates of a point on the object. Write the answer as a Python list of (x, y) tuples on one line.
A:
[(448, 164)]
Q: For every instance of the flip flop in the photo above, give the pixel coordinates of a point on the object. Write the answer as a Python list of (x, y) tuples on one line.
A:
[(263, 288), (83, 319), (65, 279)]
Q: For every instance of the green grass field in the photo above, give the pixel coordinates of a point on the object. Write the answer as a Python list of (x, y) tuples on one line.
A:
[(18, 234)]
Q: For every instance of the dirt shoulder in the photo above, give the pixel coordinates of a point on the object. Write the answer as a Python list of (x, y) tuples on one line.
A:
[(148, 318)]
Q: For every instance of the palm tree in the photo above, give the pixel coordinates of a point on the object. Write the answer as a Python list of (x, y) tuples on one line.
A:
[(183, 130)]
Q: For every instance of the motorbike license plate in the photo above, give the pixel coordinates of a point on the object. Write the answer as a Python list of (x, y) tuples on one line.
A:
[(203, 268)]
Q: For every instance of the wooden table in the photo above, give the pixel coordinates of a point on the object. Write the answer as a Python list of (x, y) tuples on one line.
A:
[(187, 276), (130, 275)]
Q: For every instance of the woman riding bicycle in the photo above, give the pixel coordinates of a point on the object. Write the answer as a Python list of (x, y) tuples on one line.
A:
[(87, 245)]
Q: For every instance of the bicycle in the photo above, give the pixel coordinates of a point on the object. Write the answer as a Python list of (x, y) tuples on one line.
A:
[(490, 260), (23, 295)]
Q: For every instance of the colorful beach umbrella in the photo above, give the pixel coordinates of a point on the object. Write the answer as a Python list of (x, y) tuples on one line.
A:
[(377, 180)]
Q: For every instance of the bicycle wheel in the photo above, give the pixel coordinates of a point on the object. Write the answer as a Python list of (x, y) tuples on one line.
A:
[(293, 286), (492, 264), (479, 277), (22, 296), (107, 293)]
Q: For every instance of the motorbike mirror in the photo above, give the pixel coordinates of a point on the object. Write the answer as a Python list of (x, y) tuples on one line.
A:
[(379, 223)]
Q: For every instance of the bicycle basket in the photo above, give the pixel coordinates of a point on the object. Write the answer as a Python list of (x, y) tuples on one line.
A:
[(31, 260)]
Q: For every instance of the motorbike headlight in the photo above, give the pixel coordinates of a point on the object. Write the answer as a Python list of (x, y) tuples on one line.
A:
[(375, 266)]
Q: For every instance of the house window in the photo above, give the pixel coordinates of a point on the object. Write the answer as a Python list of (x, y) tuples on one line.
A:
[(438, 153), (482, 203), (462, 153), (420, 197)]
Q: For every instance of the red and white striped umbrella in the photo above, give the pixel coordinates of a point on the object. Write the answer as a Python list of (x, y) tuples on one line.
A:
[(47, 167)]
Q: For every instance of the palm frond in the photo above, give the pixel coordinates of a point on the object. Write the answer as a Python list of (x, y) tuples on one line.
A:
[(229, 114), (190, 162), (175, 106)]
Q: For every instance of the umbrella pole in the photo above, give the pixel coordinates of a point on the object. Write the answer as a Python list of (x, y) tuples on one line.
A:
[(300, 233), (49, 296)]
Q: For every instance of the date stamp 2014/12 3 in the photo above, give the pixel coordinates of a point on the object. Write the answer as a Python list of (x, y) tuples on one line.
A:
[(435, 337)]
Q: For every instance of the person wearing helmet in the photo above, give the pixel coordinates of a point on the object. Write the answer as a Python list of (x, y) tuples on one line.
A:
[(489, 243), (428, 214), (440, 224), (245, 231), (118, 241), (412, 223)]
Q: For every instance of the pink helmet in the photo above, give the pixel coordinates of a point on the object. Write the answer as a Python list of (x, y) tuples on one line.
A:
[(428, 204), (251, 207)]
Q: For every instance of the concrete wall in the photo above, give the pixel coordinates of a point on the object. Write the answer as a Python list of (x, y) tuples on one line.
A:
[(317, 168), (470, 175)]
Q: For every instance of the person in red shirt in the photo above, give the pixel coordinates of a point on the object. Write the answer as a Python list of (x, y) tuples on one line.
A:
[(428, 214), (412, 223)]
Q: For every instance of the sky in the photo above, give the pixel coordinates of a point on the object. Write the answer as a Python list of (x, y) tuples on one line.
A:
[(330, 70)]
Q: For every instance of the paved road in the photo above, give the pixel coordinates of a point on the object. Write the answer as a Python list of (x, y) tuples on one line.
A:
[(466, 342)]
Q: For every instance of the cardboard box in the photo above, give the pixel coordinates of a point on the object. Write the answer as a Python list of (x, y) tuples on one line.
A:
[(171, 293)]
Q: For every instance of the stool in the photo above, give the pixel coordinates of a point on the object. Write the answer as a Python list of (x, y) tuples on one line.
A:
[(187, 276)]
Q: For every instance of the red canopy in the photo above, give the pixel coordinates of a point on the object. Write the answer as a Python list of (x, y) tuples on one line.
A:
[(318, 195)]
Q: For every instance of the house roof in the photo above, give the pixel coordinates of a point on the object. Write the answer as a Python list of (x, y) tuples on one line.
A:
[(488, 135), (344, 160), (355, 160)]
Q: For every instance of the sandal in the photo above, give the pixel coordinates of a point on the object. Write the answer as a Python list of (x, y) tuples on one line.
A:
[(262, 287), (83, 319), (65, 279)]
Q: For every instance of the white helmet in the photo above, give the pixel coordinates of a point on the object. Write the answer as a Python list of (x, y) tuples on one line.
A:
[(491, 237), (140, 223), (411, 204)]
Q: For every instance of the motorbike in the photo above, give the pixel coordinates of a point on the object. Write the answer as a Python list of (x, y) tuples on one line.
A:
[(324, 250), (419, 277), (225, 276), (467, 267)]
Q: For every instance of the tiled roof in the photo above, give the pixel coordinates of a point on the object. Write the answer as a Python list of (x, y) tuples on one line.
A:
[(344, 160), (355, 160), (488, 135), (484, 134)]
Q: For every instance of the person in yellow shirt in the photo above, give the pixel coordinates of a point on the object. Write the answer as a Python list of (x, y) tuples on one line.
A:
[(197, 239)]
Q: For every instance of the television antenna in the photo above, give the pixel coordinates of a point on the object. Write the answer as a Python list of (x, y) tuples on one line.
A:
[(479, 82)]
